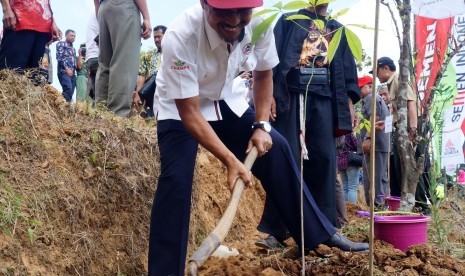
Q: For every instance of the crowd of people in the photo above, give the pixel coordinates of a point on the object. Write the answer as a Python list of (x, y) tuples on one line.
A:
[(300, 115)]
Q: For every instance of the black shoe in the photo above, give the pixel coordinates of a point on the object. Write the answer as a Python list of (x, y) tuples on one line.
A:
[(426, 212), (270, 243), (341, 242)]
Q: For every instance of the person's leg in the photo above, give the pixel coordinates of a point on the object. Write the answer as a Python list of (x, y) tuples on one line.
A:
[(353, 176), (395, 168), (341, 203), (105, 54), (366, 177), (16, 49), (271, 223), (345, 184), (320, 170), (124, 25), (380, 169), (66, 85), (92, 66), (169, 222), (287, 124), (422, 191), (38, 49), (73, 85), (279, 176)]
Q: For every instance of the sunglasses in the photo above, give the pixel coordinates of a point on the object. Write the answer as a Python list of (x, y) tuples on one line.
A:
[(228, 12)]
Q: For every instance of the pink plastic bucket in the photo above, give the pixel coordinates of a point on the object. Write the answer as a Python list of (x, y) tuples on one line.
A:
[(402, 231), (393, 202)]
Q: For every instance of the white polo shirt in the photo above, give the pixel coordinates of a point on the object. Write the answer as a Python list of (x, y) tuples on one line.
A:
[(196, 62), (92, 31)]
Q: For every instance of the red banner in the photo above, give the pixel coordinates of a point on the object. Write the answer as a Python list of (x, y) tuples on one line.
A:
[(432, 37)]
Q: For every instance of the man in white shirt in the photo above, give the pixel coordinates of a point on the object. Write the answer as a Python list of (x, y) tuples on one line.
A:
[(198, 106), (92, 53)]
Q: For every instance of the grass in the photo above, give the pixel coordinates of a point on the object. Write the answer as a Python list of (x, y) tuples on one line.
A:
[(12, 217)]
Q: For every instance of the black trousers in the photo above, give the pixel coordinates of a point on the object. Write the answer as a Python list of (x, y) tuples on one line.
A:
[(92, 66), (319, 172), (277, 171), (22, 49), (395, 168)]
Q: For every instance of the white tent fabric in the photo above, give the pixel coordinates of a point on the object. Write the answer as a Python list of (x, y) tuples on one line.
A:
[(438, 9)]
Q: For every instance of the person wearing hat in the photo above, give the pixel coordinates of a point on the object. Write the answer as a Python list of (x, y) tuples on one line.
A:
[(386, 73), (121, 29), (198, 106), (382, 142), (312, 94)]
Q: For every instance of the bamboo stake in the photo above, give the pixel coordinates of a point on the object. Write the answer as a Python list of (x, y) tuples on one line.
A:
[(373, 142)]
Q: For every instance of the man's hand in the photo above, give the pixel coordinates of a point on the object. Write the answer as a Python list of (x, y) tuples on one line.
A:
[(9, 19), (237, 170), (146, 29), (379, 125), (353, 117), (136, 99), (261, 140), (69, 71), (56, 32), (366, 146), (273, 111)]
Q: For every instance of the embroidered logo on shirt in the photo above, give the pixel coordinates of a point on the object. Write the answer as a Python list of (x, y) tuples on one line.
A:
[(180, 65), (247, 49)]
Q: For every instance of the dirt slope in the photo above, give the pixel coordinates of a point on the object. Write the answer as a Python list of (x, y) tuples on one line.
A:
[(76, 187)]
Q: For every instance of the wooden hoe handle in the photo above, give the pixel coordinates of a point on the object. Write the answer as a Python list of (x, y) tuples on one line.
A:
[(216, 237)]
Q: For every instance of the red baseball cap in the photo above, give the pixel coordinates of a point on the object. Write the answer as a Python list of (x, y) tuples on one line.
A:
[(235, 4), (364, 81)]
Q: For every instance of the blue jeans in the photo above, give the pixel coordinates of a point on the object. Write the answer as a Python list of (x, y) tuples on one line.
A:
[(68, 84), (350, 180)]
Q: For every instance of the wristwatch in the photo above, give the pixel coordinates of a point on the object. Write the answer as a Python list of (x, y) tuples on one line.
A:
[(264, 125)]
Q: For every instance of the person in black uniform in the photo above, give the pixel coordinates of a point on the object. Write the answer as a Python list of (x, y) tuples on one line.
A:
[(329, 112)]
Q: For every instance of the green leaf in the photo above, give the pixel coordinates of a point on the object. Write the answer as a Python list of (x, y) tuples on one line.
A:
[(296, 5), (7, 231), (320, 24), (262, 12), (334, 44), (355, 44), (362, 26), (297, 17), (31, 235), (340, 13), (278, 5), (314, 3), (262, 27)]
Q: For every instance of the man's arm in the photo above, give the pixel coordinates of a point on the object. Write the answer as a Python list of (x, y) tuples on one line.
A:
[(59, 55), (146, 27), (140, 82), (198, 127), (135, 95), (9, 18), (79, 61), (97, 6), (412, 114), (263, 97)]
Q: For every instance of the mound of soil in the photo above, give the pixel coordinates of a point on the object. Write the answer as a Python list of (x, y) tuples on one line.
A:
[(76, 189)]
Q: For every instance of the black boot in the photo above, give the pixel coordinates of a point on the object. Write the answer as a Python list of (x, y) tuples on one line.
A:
[(341, 242)]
